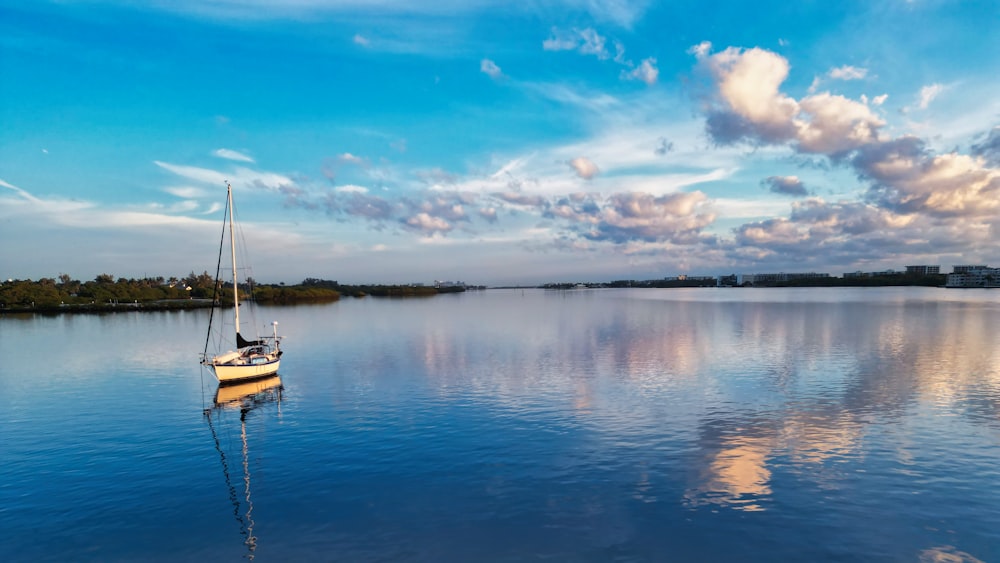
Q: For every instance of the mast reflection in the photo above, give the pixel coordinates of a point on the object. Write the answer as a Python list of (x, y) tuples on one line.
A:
[(244, 397)]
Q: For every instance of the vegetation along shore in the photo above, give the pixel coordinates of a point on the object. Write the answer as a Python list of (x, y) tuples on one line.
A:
[(104, 293)]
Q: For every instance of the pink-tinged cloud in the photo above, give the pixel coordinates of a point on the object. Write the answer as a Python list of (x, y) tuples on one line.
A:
[(584, 167), (428, 224)]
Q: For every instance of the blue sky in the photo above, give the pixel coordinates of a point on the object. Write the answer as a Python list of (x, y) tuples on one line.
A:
[(496, 142)]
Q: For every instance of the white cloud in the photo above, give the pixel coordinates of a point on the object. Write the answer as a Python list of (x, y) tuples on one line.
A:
[(910, 179), (646, 72), (928, 93), (24, 194), (597, 102), (748, 84), (847, 72), (750, 106), (349, 158), (238, 176), (351, 189), (879, 100), (193, 172), (490, 68), (583, 167), (232, 155), (625, 217), (700, 50), (429, 224), (361, 40), (586, 41), (835, 124), (186, 192)]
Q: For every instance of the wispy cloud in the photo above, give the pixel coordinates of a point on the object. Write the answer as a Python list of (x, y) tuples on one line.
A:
[(187, 192), (646, 72), (847, 72), (232, 155), (237, 176), (585, 41), (490, 68), (588, 41), (928, 94)]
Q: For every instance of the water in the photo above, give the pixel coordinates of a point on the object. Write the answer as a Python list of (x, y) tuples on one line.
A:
[(510, 425)]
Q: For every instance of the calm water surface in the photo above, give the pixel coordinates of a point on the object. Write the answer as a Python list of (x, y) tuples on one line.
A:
[(510, 425)]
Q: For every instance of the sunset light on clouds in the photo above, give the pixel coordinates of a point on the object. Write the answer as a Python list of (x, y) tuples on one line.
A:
[(499, 143)]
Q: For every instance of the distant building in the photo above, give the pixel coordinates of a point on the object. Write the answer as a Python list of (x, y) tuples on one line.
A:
[(728, 281), (782, 277), (923, 270), (882, 274), (974, 276)]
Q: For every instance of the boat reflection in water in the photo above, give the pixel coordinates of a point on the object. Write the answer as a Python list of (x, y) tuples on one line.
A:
[(244, 397)]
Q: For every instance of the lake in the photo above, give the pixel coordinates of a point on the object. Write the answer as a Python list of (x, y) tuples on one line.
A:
[(839, 424)]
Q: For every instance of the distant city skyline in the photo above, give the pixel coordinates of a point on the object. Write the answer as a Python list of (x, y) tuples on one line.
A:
[(397, 142)]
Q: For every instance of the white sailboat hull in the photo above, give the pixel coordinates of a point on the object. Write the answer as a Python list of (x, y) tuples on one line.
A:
[(228, 373)]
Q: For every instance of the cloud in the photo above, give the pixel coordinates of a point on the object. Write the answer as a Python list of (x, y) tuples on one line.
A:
[(678, 218), (989, 147), (348, 158), (428, 224), (584, 168), (825, 234), (204, 175), (187, 192), (701, 50), (646, 72), (488, 213), (490, 68), (351, 189), (521, 199), (908, 178), (358, 204), (361, 40), (87, 215), (833, 125), (232, 155), (663, 146), (786, 185), (917, 203), (586, 41), (748, 105), (928, 93), (847, 72)]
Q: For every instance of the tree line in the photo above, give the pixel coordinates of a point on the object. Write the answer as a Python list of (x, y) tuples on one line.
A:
[(194, 290)]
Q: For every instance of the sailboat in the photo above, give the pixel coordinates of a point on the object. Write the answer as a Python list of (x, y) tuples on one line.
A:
[(252, 359)]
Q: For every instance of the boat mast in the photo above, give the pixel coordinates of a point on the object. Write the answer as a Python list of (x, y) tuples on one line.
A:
[(232, 244)]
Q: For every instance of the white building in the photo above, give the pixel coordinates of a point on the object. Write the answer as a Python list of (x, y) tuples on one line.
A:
[(974, 276)]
